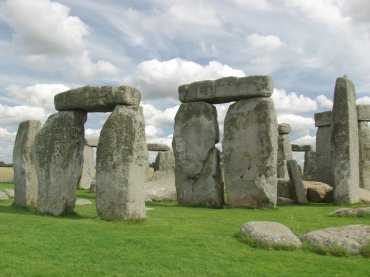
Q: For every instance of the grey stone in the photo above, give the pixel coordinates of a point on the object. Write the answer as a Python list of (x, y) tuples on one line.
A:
[(351, 212), (309, 168), (295, 177), (197, 169), (121, 165), (165, 161), (92, 142), (284, 154), (301, 148), (364, 151), (284, 129), (88, 169), (161, 187), (351, 237), (365, 195), (284, 188), (344, 143), (363, 112), (323, 119), (323, 155), (83, 201), (272, 234), (93, 187), (25, 177), (226, 89), (250, 153), (58, 150), (158, 147), (316, 192), (97, 99), (9, 192), (3, 195)]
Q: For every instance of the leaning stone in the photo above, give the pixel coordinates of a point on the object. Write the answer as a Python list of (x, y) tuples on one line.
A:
[(344, 143), (323, 119), (301, 148), (351, 212), (83, 201), (3, 196), (226, 89), (25, 177), (250, 153), (92, 142), (97, 99), (158, 147), (364, 144), (351, 238), (9, 192), (197, 161), (121, 165), (363, 112), (284, 129), (165, 161), (323, 155), (88, 168), (316, 191), (295, 177), (58, 152), (270, 234)]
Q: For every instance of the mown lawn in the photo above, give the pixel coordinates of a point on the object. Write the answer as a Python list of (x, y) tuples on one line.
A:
[(172, 241), (6, 174)]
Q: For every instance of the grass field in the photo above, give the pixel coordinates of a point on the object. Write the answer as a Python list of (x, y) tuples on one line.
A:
[(6, 174), (172, 241)]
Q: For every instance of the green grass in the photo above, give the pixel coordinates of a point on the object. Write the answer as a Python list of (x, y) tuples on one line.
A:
[(172, 241), (6, 174)]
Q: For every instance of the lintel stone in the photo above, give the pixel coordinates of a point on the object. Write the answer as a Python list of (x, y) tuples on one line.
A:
[(158, 147), (363, 112), (284, 129), (301, 148), (323, 119)]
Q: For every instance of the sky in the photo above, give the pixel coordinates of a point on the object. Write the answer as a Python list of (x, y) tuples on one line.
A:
[(47, 47)]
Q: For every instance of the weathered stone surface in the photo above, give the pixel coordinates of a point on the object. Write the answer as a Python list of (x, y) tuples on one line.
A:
[(9, 192), (351, 212), (365, 195), (3, 196), (284, 201), (158, 147), (344, 143), (58, 150), (323, 155), (364, 151), (295, 177), (284, 129), (88, 169), (226, 89), (284, 154), (316, 192), (97, 99), (161, 187), (250, 153), (363, 112), (197, 169), (25, 177), (351, 237), (284, 188), (271, 234), (121, 165), (309, 168), (93, 187), (301, 148), (165, 161), (92, 142), (83, 201), (323, 119)]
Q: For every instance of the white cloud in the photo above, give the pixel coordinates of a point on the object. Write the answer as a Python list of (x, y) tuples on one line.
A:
[(363, 100), (291, 102), (92, 133), (15, 115), (358, 10), (265, 43), (300, 125), (324, 102), (254, 4)]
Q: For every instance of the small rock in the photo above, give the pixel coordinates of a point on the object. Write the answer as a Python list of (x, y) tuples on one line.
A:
[(83, 201), (3, 195), (9, 192), (351, 212)]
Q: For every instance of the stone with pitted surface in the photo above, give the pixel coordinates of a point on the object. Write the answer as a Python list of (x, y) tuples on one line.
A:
[(351, 212), (301, 148), (363, 112), (284, 129), (323, 119), (295, 177), (158, 147)]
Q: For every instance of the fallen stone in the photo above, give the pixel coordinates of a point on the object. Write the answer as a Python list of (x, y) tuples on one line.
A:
[(284, 201), (226, 89), (301, 148), (364, 151), (270, 234), (58, 150), (158, 147), (351, 212), (25, 176), (83, 201), (323, 119), (97, 99), (363, 112), (3, 196), (250, 153), (316, 191), (121, 165), (295, 177), (351, 238), (9, 192)]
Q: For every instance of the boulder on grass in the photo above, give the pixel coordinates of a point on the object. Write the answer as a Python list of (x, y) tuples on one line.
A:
[(351, 212), (316, 191)]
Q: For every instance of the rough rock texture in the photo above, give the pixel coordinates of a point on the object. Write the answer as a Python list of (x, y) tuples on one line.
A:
[(284, 129), (226, 89), (25, 177), (83, 201), (364, 146), (93, 187), (284, 188), (323, 119), (158, 147), (9, 192), (121, 165), (295, 177), (323, 155), (363, 112), (97, 99), (88, 169), (284, 150), (284, 201), (58, 150), (161, 187), (344, 143), (351, 237), (310, 168), (197, 161), (250, 153), (351, 212), (3, 195), (301, 148), (316, 192), (165, 161), (364, 195), (92, 142), (271, 234)]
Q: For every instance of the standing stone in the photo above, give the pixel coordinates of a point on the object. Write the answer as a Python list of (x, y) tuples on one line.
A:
[(165, 161), (88, 169), (197, 166), (344, 143), (364, 144), (323, 148), (309, 168), (58, 152), (122, 165), (25, 177), (250, 153), (284, 150), (296, 182)]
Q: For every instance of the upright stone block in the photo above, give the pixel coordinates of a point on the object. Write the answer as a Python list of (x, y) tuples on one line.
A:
[(250, 153), (88, 169), (284, 150), (344, 143), (122, 165), (58, 152), (309, 168), (296, 181), (197, 169), (25, 177), (165, 161), (364, 146)]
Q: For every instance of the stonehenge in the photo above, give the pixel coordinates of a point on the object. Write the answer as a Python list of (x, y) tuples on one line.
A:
[(284, 150)]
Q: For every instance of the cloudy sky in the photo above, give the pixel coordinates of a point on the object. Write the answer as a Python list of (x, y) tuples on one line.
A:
[(47, 47)]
